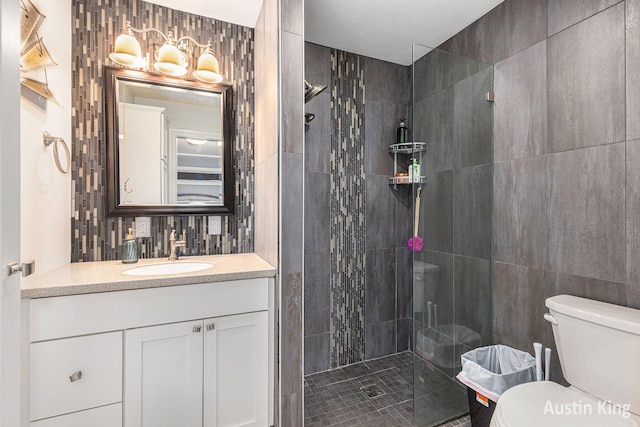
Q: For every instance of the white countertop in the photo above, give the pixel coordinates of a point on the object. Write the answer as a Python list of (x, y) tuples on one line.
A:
[(106, 276)]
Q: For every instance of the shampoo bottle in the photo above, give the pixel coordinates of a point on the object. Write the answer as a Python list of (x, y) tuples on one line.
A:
[(130, 249), (402, 132)]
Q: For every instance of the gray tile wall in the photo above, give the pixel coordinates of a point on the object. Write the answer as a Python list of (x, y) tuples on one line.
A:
[(565, 183), (357, 267), (96, 25), (291, 221)]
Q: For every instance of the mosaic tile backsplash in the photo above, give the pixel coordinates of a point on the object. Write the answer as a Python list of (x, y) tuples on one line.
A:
[(347, 209), (96, 25)]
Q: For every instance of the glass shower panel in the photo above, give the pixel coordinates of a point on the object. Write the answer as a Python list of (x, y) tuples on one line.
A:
[(452, 275)]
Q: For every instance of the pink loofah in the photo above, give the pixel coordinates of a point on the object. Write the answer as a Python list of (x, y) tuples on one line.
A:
[(416, 244)]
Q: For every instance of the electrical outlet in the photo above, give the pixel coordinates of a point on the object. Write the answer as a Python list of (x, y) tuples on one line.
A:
[(215, 225), (143, 226)]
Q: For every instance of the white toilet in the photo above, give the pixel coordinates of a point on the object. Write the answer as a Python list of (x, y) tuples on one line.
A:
[(599, 350)]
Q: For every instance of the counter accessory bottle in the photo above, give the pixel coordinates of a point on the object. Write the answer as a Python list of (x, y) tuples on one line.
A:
[(130, 249)]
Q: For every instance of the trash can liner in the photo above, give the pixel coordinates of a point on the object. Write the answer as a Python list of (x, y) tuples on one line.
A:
[(497, 368)]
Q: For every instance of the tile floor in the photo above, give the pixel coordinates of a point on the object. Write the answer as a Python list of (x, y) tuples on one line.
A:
[(380, 392)]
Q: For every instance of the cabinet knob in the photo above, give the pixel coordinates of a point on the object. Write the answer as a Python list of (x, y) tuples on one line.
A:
[(197, 328), (75, 376), (211, 327)]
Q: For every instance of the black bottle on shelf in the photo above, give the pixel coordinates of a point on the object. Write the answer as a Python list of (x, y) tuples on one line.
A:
[(402, 132)]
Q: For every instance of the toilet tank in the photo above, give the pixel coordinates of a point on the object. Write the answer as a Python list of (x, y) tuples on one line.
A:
[(599, 348)]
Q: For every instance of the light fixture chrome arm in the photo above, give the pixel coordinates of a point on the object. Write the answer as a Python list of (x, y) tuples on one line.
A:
[(131, 30)]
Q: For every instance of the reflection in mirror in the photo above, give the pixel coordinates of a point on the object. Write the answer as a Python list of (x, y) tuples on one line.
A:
[(170, 145), (173, 154)]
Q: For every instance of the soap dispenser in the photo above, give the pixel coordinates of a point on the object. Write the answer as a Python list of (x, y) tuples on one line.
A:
[(130, 249)]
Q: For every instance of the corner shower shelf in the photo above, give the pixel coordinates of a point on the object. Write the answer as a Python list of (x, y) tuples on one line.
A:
[(405, 148), (405, 180), (408, 147)]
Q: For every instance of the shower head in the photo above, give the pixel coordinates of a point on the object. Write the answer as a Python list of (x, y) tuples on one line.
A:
[(308, 117), (310, 91)]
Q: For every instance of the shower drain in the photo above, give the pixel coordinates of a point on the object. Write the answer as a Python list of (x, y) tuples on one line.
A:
[(372, 390)]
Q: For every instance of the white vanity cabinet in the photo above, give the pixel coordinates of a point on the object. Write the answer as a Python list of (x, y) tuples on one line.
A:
[(210, 373), (190, 356)]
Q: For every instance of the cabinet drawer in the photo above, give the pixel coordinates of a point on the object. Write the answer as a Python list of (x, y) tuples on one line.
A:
[(106, 416), (73, 374)]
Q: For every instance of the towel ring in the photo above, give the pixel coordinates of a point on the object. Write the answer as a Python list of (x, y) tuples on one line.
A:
[(49, 139)]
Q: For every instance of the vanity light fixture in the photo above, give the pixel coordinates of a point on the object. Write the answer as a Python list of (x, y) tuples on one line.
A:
[(170, 58)]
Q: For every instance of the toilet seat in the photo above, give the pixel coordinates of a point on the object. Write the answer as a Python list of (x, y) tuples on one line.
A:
[(548, 404)]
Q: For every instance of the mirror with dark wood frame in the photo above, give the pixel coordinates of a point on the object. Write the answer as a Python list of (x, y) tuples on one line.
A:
[(169, 145)]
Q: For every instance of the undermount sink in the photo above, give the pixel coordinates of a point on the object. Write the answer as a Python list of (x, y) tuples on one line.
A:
[(167, 268)]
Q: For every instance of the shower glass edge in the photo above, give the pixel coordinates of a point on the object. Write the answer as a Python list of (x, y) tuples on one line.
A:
[(452, 278)]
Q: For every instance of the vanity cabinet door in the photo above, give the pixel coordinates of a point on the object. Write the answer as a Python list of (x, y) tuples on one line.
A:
[(163, 375), (236, 366)]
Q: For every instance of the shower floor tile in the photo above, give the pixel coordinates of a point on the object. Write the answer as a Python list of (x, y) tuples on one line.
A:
[(374, 393)]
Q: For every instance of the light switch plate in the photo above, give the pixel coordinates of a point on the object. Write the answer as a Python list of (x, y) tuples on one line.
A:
[(215, 225), (143, 226)]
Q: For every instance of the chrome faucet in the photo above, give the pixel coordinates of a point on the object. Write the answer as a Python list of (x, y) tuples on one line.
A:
[(173, 256)]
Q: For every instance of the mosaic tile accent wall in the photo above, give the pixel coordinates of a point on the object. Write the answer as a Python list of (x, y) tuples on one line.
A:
[(96, 25), (347, 209)]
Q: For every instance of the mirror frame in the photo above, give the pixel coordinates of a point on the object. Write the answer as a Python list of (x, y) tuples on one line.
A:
[(112, 75)]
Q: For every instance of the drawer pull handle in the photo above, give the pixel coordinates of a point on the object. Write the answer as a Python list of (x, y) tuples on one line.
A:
[(75, 376), (197, 328), (211, 327)]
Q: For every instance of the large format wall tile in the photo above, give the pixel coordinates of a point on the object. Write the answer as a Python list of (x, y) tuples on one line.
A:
[(472, 207), (472, 295), (433, 124), (291, 18), (518, 306), (633, 65), (475, 41), (521, 210), (317, 217), (564, 13), (317, 64), (317, 293), (380, 339), (520, 110), (600, 290), (436, 211), (380, 213), (587, 208), (633, 214), (382, 119), (317, 135), (291, 214), (316, 353), (292, 92), (404, 283), (473, 119), (586, 89), (380, 287), (518, 24), (440, 69), (387, 82)]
